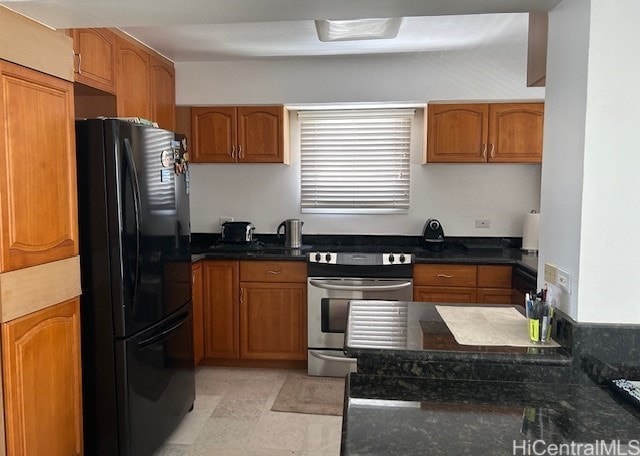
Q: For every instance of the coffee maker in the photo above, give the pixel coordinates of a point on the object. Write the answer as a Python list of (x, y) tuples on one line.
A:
[(433, 235)]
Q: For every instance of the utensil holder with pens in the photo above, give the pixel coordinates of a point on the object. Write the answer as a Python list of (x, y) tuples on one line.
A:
[(539, 316)]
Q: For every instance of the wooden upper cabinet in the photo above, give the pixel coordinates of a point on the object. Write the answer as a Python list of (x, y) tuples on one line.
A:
[(213, 134), (133, 81), (515, 132), (38, 208), (42, 382), (260, 134), (95, 58), (245, 134), (163, 93), (480, 133), (457, 133)]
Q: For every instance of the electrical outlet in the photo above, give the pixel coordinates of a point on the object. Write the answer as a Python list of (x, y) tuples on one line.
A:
[(483, 223), (564, 280), (222, 220), (550, 273)]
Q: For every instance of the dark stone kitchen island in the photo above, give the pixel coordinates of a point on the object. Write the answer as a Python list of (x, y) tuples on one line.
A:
[(423, 393)]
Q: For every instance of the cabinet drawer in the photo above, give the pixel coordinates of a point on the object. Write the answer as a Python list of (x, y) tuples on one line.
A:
[(451, 295), (494, 276), (445, 275), (273, 271)]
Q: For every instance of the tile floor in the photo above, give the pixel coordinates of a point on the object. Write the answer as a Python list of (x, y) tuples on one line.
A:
[(232, 416)]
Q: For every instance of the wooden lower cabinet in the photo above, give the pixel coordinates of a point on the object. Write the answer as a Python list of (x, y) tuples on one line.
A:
[(261, 319), (494, 296), (197, 300), (462, 283), (445, 294), (273, 320), (221, 317), (42, 382)]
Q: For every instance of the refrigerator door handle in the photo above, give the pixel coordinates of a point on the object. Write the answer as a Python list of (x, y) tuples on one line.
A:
[(133, 175), (164, 334)]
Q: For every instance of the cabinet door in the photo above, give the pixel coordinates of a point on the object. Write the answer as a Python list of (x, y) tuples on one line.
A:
[(221, 319), (445, 294), (38, 222), (273, 321), (197, 312), (457, 133), (515, 133), (133, 81), (95, 64), (42, 382), (494, 276), (495, 296), (213, 133), (163, 94), (261, 134)]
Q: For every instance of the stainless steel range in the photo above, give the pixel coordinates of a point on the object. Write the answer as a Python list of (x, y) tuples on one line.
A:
[(337, 277)]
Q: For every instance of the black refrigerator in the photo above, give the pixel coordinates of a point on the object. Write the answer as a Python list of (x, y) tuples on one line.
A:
[(137, 344)]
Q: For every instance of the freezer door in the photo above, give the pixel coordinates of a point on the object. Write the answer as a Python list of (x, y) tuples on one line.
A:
[(150, 252), (156, 383)]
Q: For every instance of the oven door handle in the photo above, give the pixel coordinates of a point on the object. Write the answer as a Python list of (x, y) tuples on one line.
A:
[(338, 359), (397, 286)]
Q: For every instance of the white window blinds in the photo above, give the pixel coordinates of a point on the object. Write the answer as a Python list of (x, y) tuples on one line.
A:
[(355, 161)]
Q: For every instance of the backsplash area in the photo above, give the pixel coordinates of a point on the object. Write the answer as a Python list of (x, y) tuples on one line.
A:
[(455, 194)]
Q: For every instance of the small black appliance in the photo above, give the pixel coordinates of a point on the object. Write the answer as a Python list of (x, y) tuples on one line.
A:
[(237, 233), (433, 235)]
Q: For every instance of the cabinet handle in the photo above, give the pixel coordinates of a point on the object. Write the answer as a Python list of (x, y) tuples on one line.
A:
[(79, 63), (241, 295), (240, 151), (233, 152), (273, 272), (445, 276), (493, 149), (484, 151)]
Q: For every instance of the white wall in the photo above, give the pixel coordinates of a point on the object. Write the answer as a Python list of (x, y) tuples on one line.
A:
[(609, 271), (564, 130), (590, 198), (456, 194)]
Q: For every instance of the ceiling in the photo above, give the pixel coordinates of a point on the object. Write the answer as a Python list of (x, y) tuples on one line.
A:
[(210, 30)]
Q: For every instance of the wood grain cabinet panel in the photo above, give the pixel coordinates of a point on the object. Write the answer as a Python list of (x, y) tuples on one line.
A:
[(245, 134), (221, 318), (163, 93), (494, 276), (487, 132), (447, 275), (42, 382), (450, 295), (95, 54), (37, 169), (515, 132), (213, 133), (260, 134), (273, 321), (133, 81), (197, 299), (457, 133), (273, 271), (494, 296)]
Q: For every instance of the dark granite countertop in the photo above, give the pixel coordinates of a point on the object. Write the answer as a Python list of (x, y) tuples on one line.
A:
[(416, 331), (457, 250), (417, 416)]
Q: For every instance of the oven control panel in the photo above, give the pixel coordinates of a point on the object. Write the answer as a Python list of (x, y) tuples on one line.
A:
[(360, 259)]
